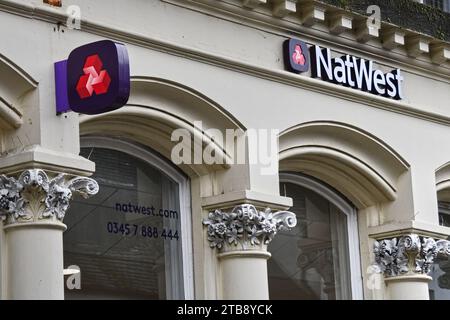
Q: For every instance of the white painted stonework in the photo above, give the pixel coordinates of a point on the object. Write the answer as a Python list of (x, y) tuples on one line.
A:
[(221, 62)]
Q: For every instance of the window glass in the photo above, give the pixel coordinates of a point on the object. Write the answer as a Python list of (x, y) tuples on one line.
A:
[(312, 260), (126, 240), (440, 4), (440, 271), (444, 213)]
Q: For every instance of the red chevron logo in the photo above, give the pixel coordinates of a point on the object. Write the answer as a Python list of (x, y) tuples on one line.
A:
[(94, 79), (298, 56)]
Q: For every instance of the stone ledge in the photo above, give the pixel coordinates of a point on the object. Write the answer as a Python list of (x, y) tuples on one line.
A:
[(395, 229), (309, 13), (50, 160), (261, 200), (404, 13)]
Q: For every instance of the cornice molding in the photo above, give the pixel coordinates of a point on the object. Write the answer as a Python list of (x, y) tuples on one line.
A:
[(54, 15), (59, 16), (337, 20), (396, 229), (234, 198), (35, 156)]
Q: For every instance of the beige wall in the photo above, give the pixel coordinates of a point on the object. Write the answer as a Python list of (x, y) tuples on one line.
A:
[(236, 63)]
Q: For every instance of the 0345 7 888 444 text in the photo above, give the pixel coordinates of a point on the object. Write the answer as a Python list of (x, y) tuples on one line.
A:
[(135, 230)]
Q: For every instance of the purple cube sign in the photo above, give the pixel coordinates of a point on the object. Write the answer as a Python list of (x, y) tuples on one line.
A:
[(94, 79)]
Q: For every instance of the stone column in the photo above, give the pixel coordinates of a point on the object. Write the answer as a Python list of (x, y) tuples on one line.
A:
[(32, 208), (406, 262), (241, 235)]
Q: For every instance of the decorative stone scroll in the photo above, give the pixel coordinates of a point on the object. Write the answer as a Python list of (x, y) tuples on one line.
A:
[(246, 226), (410, 254), (34, 196)]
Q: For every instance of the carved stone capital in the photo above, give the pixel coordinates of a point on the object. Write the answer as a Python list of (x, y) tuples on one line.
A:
[(246, 226), (410, 254), (33, 196)]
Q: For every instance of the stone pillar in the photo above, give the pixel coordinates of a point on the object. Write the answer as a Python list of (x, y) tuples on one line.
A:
[(408, 287), (32, 208), (406, 262), (241, 236)]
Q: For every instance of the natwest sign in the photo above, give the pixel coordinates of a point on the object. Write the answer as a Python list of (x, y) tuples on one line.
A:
[(347, 70), (94, 79)]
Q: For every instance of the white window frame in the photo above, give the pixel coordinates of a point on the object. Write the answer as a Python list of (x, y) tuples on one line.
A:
[(352, 224), (445, 5), (443, 208), (155, 160)]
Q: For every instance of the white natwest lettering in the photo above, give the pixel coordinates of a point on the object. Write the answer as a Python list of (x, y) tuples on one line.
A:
[(356, 73), (322, 62), (362, 69)]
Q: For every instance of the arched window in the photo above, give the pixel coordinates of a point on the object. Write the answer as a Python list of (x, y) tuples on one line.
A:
[(133, 239), (319, 259), (440, 270)]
